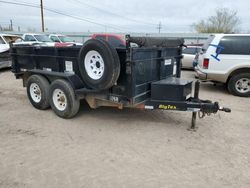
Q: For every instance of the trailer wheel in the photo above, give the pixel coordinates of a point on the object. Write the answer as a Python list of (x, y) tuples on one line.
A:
[(99, 64), (38, 91), (62, 99)]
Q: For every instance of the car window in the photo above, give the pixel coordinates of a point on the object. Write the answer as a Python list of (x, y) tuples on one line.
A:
[(100, 37), (1, 41), (29, 38), (43, 38), (115, 42), (207, 43), (235, 45), (65, 39), (190, 50), (10, 39), (54, 38)]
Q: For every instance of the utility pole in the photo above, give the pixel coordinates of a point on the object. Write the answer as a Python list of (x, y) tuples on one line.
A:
[(42, 15), (11, 25), (159, 27)]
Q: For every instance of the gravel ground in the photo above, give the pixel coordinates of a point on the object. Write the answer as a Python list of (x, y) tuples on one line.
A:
[(128, 148)]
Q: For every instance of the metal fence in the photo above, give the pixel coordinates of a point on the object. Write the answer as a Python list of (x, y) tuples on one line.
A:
[(190, 38)]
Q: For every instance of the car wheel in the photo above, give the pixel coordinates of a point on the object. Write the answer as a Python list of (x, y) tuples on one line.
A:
[(99, 64), (38, 91), (62, 99), (239, 85)]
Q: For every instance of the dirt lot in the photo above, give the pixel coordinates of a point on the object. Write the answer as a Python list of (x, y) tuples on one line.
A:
[(130, 148)]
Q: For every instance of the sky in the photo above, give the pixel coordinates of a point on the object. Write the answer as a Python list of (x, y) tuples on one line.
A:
[(125, 16)]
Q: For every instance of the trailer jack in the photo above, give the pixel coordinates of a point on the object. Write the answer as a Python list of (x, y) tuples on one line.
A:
[(207, 108)]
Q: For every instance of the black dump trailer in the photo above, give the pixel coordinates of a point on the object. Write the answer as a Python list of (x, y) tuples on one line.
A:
[(146, 77)]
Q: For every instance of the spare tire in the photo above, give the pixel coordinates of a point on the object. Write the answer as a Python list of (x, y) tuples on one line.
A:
[(99, 64)]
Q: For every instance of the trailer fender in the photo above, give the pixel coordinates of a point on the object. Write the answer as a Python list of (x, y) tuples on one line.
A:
[(73, 79)]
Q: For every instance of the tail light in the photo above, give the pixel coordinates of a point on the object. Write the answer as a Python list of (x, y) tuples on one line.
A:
[(205, 63)]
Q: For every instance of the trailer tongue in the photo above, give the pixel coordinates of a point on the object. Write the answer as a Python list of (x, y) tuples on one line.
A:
[(145, 77), (193, 104)]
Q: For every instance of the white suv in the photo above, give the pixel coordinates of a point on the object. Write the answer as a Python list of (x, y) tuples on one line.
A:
[(225, 58)]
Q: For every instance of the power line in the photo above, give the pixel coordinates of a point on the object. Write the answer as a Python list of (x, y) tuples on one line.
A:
[(118, 15), (124, 17), (99, 9), (11, 25), (60, 13), (82, 19), (51, 10), (115, 14)]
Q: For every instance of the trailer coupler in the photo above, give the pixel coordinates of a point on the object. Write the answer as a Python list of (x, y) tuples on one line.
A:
[(211, 108), (206, 109)]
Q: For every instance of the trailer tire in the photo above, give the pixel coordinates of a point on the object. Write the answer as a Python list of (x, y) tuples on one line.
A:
[(99, 64), (62, 99), (38, 91)]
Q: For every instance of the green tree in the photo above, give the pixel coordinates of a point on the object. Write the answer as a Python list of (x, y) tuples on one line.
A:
[(224, 21)]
